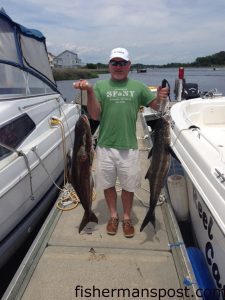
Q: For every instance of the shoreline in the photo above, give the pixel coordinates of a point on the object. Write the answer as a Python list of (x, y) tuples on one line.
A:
[(74, 73), (85, 73)]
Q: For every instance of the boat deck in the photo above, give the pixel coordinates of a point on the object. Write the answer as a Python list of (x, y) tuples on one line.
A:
[(63, 264)]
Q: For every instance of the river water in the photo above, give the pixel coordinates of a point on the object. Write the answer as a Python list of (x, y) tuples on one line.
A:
[(206, 78)]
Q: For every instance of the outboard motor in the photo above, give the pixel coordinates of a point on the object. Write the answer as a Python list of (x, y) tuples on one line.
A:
[(183, 90), (190, 91)]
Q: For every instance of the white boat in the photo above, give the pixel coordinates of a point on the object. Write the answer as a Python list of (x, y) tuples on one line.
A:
[(36, 133), (198, 140)]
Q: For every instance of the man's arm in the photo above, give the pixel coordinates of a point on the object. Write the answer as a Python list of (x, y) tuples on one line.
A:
[(93, 105)]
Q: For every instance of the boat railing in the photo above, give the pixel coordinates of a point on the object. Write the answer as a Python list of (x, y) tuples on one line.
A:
[(48, 99), (211, 94), (201, 134)]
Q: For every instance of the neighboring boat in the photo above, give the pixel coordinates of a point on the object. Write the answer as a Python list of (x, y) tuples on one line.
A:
[(198, 140), (36, 133), (141, 70)]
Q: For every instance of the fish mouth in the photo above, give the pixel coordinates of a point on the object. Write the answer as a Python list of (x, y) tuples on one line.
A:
[(85, 118), (83, 157)]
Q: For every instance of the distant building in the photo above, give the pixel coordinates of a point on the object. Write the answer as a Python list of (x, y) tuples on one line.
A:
[(67, 59)]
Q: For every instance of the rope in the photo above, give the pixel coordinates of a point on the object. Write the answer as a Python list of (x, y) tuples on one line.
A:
[(43, 165), (81, 98), (30, 174), (54, 122), (71, 140), (68, 199), (160, 201), (21, 153)]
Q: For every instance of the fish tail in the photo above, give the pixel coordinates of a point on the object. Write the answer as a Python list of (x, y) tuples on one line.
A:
[(150, 217), (91, 217)]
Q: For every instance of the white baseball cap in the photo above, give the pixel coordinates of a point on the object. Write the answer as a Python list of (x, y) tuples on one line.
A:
[(120, 53)]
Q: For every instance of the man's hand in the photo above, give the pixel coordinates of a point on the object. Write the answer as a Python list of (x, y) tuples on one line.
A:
[(82, 84), (93, 106), (162, 93), (160, 99)]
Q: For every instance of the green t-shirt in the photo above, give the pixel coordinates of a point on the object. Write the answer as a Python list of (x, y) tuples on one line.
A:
[(120, 102)]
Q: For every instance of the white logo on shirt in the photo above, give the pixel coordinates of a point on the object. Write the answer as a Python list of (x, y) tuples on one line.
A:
[(120, 93)]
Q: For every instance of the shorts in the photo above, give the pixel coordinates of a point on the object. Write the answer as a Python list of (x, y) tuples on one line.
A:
[(122, 164)]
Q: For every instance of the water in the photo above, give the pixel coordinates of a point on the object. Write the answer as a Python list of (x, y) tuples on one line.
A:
[(206, 78)]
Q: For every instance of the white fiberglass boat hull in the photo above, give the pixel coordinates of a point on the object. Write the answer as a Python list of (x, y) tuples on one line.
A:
[(198, 140), (25, 182)]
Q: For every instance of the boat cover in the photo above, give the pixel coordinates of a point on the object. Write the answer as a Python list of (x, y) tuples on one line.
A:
[(25, 49)]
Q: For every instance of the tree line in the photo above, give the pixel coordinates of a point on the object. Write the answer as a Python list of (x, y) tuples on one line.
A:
[(214, 60), (217, 59), (92, 70)]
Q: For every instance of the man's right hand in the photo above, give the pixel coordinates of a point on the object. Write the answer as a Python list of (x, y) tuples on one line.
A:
[(82, 84)]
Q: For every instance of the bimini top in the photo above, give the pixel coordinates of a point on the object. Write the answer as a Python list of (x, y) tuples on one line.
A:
[(24, 49)]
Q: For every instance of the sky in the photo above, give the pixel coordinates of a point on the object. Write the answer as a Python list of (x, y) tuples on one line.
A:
[(153, 31)]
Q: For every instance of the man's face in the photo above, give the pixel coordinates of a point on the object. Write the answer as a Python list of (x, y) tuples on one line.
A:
[(119, 68)]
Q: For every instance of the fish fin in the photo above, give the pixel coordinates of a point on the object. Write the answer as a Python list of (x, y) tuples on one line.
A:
[(150, 217), (170, 150), (84, 222), (150, 153), (91, 217), (147, 174)]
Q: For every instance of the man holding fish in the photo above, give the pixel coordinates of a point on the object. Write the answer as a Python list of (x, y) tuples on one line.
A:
[(115, 102)]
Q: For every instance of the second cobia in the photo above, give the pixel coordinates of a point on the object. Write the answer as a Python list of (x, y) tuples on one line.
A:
[(159, 166), (81, 174)]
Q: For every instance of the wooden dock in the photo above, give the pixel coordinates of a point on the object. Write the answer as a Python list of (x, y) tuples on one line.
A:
[(63, 264)]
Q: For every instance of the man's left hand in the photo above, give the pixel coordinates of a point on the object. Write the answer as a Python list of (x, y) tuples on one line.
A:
[(162, 93)]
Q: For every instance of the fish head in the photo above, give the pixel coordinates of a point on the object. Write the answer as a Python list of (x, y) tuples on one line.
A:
[(166, 121), (83, 139), (82, 125), (162, 122), (162, 128), (85, 120)]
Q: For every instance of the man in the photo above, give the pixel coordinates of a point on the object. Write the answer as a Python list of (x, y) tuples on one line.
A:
[(115, 102)]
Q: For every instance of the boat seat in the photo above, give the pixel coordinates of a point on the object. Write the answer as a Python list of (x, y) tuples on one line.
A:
[(216, 137)]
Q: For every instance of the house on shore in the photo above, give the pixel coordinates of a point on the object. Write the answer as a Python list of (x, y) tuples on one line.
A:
[(67, 59)]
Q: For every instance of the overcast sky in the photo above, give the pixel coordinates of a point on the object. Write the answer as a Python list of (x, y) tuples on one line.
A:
[(153, 31)]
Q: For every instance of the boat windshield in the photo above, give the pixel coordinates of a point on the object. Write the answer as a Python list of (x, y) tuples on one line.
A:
[(16, 82), (24, 65)]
